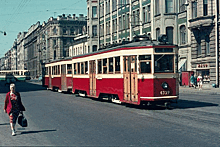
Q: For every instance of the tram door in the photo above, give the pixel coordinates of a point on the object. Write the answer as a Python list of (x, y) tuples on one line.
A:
[(92, 77), (50, 87), (63, 77), (130, 79)]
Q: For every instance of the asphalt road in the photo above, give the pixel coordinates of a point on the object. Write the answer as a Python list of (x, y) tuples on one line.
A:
[(58, 119)]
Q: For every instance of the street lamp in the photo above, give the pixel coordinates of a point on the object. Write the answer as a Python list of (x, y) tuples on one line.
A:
[(3, 32)]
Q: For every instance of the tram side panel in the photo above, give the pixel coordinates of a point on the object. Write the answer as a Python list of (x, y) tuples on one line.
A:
[(81, 84), (110, 86), (145, 88), (56, 82), (46, 81)]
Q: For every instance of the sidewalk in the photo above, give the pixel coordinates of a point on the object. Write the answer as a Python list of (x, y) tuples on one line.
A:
[(205, 90)]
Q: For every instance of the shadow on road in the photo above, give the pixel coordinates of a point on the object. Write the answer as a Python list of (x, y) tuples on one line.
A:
[(29, 132), (5, 124), (20, 87), (185, 104), (182, 104)]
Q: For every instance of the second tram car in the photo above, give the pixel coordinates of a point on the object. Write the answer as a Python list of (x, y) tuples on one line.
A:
[(135, 73)]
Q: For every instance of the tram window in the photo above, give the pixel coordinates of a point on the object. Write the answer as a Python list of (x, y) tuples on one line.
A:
[(164, 63), (58, 69), (78, 64), (110, 65), (75, 69), (99, 66), (69, 68), (104, 66), (145, 63), (55, 70), (117, 64), (82, 68), (125, 68), (86, 67)]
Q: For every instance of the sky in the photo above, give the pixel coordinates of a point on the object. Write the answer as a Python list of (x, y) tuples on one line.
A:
[(18, 16)]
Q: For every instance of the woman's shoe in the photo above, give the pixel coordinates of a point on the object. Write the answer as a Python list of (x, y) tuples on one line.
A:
[(13, 133)]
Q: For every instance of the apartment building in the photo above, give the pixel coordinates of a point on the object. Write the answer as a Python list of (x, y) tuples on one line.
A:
[(30, 49), (80, 46), (114, 21), (204, 27), (20, 50), (14, 56)]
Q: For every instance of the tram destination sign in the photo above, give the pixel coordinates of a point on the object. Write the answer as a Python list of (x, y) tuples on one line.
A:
[(163, 50)]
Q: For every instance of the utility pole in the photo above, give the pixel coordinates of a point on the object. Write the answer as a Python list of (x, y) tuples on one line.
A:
[(217, 41)]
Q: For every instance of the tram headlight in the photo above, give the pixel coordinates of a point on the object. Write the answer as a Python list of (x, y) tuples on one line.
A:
[(164, 85)]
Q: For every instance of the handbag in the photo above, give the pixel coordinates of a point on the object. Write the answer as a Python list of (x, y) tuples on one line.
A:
[(22, 121)]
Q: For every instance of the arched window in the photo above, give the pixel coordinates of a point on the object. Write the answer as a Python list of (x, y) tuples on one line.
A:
[(183, 35)]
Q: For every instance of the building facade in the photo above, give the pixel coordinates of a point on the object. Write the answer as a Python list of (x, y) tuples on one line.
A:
[(2, 63), (14, 56), (80, 46), (121, 20), (30, 49), (20, 50), (204, 27)]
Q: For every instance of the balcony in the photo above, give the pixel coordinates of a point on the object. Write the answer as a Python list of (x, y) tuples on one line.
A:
[(203, 21)]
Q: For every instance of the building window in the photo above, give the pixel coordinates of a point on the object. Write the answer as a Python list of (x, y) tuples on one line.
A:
[(157, 33), (54, 54), (124, 23), (199, 50), (128, 22), (169, 32), (157, 7), (194, 9), (101, 13), (54, 31), (94, 48), (169, 6), (120, 23), (182, 5), (144, 15), (134, 20), (207, 44), (148, 14), (94, 12), (64, 31), (182, 35), (138, 17), (94, 30), (205, 7)]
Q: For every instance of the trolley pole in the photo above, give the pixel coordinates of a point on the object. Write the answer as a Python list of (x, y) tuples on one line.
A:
[(217, 41)]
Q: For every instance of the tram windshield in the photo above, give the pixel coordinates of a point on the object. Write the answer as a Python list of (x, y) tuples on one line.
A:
[(164, 63)]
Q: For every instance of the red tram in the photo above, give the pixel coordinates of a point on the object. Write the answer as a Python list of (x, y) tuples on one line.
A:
[(134, 73)]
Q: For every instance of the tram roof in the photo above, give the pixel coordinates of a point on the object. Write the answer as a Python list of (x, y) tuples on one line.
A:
[(141, 44)]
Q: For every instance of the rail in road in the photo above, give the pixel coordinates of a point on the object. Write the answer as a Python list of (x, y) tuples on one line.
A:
[(57, 119)]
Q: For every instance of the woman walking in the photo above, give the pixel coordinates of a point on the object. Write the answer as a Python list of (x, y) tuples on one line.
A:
[(13, 106)]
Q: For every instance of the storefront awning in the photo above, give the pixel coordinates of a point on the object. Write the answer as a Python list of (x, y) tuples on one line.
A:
[(181, 63)]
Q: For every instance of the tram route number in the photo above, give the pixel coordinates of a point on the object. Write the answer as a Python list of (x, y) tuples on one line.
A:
[(164, 92)]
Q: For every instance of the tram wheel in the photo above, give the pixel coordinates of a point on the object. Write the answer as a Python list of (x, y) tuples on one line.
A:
[(167, 105)]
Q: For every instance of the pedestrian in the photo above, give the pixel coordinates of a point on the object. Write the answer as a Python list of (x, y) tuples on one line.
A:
[(195, 80), (13, 106), (199, 80), (192, 80)]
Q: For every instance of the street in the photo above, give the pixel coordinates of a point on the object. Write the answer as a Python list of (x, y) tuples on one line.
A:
[(60, 119)]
